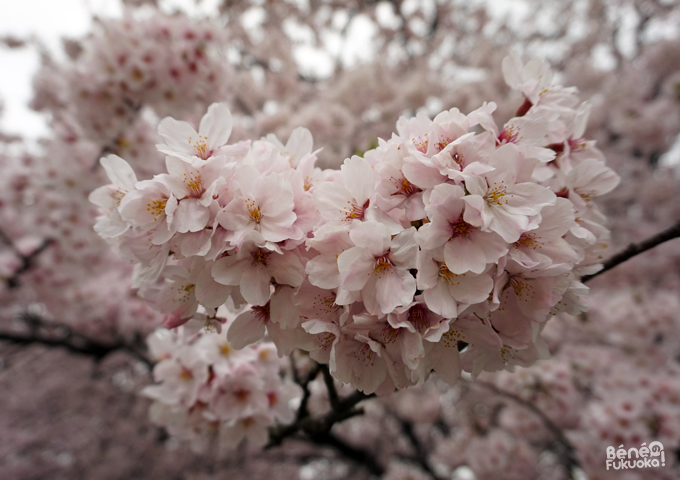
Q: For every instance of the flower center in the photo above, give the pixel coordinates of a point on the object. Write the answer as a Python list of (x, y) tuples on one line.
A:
[(364, 354), (448, 276), (508, 135), (421, 144), (389, 334), (527, 240), (354, 211), (523, 290), (201, 147), (404, 187), (262, 313), (254, 211), (225, 349), (441, 145), (419, 318), (260, 257), (495, 196), (461, 228), (156, 208), (382, 264), (194, 184)]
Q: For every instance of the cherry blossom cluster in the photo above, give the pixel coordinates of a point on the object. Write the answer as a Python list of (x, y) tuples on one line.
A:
[(205, 388), (446, 248), (170, 63)]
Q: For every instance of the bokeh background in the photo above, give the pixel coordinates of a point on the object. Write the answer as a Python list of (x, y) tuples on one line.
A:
[(72, 355)]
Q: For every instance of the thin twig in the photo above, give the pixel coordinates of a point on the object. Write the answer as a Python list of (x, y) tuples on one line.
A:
[(567, 450), (636, 249), (355, 454), (313, 426), (26, 260), (420, 457), (328, 379)]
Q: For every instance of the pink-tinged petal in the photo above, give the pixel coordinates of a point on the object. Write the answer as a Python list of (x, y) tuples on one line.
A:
[(195, 243), (507, 225), (282, 309), (247, 329), (229, 270), (440, 301), (274, 195), (592, 177), (279, 228), (403, 249), (191, 216), (359, 178), (512, 327), (173, 320), (176, 135), (472, 330), (355, 266), (105, 196), (422, 175), (471, 289), (475, 211), (556, 219), (369, 296), (287, 269), (164, 232), (285, 340), (209, 292), (528, 198), (299, 143), (447, 364), (333, 200), (512, 67), (412, 351), (371, 236), (543, 155), (234, 216), (255, 285), (433, 234), (395, 288), (119, 172), (492, 244), (111, 226), (464, 255), (443, 195), (358, 364), (428, 270), (475, 186), (373, 214), (322, 271), (216, 125), (134, 208)]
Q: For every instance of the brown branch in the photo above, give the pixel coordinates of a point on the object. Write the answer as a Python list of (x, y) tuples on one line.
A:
[(420, 457), (328, 379), (567, 452), (635, 249), (60, 335), (355, 454), (26, 260), (342, 409)]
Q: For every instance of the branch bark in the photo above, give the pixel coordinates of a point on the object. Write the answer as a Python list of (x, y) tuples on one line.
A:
[(59, 335), (635, 249), (26, 260)]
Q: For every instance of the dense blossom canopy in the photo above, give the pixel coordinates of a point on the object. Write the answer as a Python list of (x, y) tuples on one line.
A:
[(423, 219)]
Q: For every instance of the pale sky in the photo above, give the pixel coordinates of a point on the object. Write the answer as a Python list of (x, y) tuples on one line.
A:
[(49, 21)]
